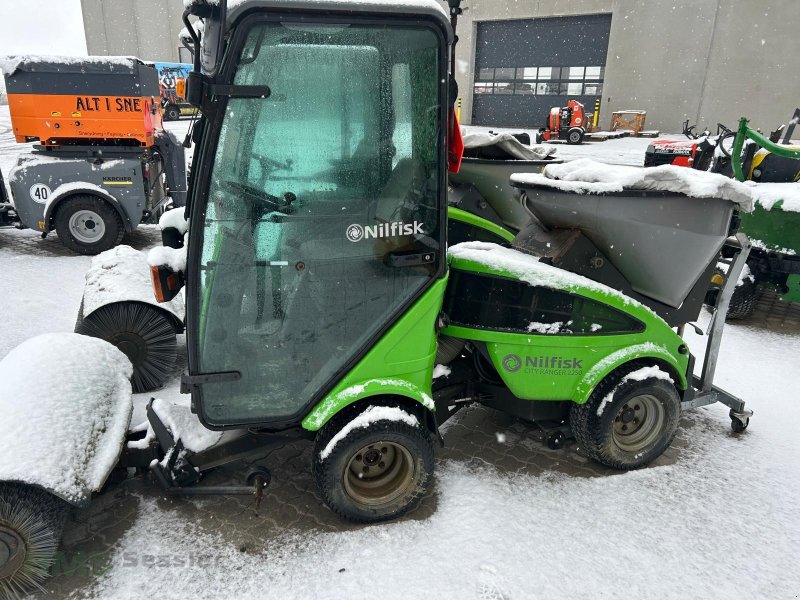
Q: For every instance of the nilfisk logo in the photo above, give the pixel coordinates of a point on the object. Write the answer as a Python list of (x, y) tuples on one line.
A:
[(512, 363), (543, 365), (356, 232)]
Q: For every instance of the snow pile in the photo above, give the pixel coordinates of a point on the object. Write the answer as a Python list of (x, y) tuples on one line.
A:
[(373, 414), (768, 195), (65, 401), (183, 425), (174, 258), (586, 176), (507, 142), (123, 274), (527, 268), (174, 218), (638, 375), (546, 328), (440, 371)]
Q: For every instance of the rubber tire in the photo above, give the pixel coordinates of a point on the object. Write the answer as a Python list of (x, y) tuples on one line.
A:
[(743, 300), (50, 515), (329, 473), (111, 219), (574, 136), (594, 433), (172, 113), (738, 427)]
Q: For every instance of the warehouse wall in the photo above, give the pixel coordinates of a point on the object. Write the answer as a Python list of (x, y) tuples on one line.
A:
[(147, 29), (702, 60)]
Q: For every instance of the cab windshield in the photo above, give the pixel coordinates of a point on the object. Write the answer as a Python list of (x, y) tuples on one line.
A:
[(319, 194)]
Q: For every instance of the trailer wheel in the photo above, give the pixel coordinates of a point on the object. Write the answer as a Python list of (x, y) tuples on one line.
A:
[(143, 333), (376, 472), (172, 112), (31, 521), (87, 224), (575, 136), (627, 425)]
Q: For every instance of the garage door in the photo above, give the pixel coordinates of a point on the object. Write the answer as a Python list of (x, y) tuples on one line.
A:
[(525, 67)]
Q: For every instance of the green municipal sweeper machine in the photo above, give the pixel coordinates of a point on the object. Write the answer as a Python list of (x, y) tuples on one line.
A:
[(321, 294)]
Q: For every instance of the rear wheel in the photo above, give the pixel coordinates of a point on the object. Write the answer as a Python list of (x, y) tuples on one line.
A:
[(743, 300), (144, 333), (88, 225), (627, 424), (375, 472), (575, 136), (31, 521)]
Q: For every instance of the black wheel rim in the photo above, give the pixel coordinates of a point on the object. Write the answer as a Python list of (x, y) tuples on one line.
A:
[(12, 551)]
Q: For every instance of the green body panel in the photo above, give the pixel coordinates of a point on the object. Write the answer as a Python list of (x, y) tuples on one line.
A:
[(476, 221), (743, 133), (400, 363), (774, 229), (569, 366)]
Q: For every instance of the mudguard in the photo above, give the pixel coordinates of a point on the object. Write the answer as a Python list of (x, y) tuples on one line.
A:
[(67, 190)]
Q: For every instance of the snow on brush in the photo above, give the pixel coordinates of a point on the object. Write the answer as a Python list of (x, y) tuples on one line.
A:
[(65, 401), (638, 375), (123, 274), (586, 176), (371, 415)]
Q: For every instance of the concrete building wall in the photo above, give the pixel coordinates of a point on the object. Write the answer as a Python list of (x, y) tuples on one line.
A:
[(147, 29), (707, 61), (702, 60)]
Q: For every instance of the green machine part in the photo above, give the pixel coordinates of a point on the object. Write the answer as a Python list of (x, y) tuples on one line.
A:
[(745, 132), (775, 229), (567, 366), (479, 223)]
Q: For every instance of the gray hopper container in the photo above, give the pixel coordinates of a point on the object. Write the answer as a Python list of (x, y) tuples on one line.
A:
[(660, 241)]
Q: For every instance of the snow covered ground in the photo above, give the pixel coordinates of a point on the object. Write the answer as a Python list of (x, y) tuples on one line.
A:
[(717, 520)]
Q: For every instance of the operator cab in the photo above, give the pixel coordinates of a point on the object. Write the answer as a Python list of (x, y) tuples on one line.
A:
[(318, 210)]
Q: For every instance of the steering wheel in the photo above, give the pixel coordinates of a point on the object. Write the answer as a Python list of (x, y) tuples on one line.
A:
[(264, 201)]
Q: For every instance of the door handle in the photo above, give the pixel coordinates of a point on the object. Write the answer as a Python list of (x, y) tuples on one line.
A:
[(409, 259)]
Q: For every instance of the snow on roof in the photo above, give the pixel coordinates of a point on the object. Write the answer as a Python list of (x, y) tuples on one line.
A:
[(123, 274), (10, 64), (586, 176), (65, 401), (529, 269)]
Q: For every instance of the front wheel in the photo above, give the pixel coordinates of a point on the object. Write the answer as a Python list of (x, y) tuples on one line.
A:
[(88, 225), (375, 466), (575, 136), (629, 420), (31, 521)]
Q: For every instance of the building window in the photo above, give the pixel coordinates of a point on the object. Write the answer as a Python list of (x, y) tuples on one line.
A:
[(541, 81)]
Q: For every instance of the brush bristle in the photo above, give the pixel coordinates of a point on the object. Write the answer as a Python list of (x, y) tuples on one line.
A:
[(152, 330), (37, 518)]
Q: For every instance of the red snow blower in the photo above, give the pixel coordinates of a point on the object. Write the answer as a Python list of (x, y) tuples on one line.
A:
[(565, 123)]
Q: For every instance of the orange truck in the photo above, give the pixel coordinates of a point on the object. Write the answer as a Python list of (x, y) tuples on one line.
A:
[(103, 163)]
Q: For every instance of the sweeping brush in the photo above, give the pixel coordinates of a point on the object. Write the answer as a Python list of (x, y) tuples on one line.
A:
[(31, 521), (144, 333)]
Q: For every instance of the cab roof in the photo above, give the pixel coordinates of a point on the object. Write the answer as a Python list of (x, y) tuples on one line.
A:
[(424, 8)]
